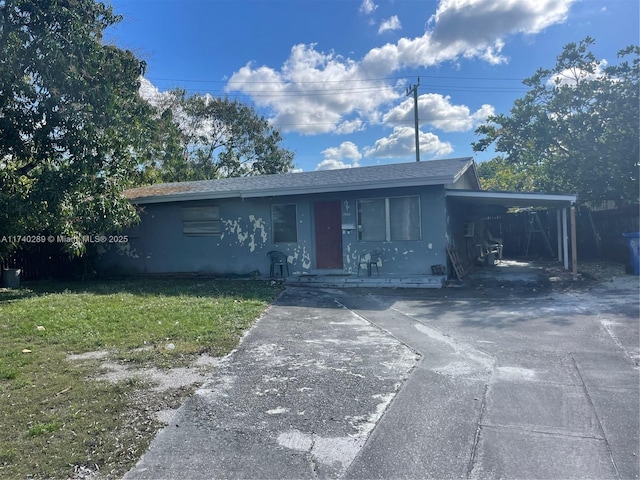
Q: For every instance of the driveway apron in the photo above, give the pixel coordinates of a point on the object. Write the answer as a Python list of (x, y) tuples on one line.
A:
[(516, 386)]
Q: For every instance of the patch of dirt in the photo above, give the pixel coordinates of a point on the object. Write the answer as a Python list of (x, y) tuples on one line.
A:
[(155, 396), (590, 274), (602, 271), (540, 276), (160, 379), (155, 380)]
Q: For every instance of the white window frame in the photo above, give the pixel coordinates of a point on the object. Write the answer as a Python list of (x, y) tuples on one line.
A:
[(387, 219)]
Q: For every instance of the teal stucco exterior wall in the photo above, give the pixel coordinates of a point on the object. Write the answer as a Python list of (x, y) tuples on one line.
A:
[(158, 244)]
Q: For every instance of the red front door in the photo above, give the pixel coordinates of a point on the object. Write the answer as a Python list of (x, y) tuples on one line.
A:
[(328, 220)]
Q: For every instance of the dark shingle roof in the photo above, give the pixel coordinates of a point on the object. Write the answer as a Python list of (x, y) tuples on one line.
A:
[(432, 172)]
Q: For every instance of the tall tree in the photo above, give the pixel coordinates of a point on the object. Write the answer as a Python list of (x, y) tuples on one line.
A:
[(500, 174), (71, 120), (203, 137), (576, 129)]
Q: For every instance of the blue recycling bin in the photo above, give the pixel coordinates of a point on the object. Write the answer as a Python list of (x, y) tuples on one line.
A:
[(633, 241)]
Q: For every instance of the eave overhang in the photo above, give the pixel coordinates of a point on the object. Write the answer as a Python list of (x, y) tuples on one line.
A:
[(512, 199), (279, 192)]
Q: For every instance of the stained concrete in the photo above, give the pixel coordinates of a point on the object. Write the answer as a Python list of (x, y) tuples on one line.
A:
[(298, 398), (561, 384), (513, 381)]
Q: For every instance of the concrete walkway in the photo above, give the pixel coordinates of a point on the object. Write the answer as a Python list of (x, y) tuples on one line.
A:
[(298, 399), (445, 383)]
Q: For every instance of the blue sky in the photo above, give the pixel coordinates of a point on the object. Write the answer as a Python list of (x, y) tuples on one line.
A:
[(332, 75)]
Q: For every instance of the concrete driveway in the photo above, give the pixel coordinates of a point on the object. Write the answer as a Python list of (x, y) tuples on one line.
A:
[(509, 382)]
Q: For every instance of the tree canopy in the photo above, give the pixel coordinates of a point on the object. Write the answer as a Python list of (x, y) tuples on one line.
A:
[(576, 130), (202, 137), (75, 131), (71, 120)]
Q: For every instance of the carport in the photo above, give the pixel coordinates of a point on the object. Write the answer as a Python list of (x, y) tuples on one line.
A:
[(460, 202)]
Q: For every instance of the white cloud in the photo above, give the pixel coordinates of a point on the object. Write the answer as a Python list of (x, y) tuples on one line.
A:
[(480, 115), (207, 129), (367, 7), (331, 164), (149, 92), (482, 22), (334, 157), (315, 92), (349, 126), (573, 76), (392, 23), (436, 110), (467, 28), (401, 143)]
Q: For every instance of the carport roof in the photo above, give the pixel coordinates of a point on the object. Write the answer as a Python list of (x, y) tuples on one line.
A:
[(512, 199)]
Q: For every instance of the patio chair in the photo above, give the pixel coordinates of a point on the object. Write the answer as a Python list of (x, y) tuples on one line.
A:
[(489, 253), (368, 260), (278, 259), (495, 244)]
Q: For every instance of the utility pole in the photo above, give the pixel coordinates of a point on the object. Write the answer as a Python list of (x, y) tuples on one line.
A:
[(414, 89)]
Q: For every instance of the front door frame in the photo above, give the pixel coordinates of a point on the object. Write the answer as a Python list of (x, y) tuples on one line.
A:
[(328, 234)]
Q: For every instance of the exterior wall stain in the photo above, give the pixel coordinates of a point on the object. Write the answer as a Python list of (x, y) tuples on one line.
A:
[(233, 227), (254, 231), (303, 255), (349, 257), (259, 225)]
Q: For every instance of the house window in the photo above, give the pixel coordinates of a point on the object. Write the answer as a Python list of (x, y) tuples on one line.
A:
[(201, 221), (386, 219), (285, 224), (372, 220), (404, 218)]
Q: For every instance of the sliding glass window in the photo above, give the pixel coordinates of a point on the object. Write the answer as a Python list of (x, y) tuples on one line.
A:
[(387, 219)]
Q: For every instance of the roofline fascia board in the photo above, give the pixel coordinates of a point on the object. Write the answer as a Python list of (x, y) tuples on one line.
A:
[(552, 197), (194, 196), (183, 197)]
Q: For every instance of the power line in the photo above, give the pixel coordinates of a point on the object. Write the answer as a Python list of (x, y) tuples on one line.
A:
[(360, 90), (363, 123), (378, 79), (341, 87)]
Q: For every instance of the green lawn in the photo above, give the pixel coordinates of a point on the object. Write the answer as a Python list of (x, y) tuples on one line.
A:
[(53, 418)]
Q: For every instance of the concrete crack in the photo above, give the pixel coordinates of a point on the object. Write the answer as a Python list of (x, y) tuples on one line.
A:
[(595, 413), (476, 438), (542, 432), (635, 358), (313, 463)]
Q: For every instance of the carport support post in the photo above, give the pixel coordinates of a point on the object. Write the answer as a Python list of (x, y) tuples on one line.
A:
[(565, 239), (559, 235), (574, 246)]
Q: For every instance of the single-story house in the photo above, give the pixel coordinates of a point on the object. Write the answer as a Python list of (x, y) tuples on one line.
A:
[(322, 221)]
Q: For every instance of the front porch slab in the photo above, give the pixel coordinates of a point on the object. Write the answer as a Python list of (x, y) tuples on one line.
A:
[(352, 280)]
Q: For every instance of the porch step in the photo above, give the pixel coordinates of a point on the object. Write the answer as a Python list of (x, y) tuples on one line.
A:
[(346, 281)]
